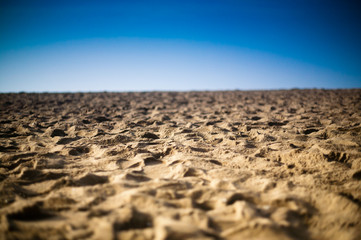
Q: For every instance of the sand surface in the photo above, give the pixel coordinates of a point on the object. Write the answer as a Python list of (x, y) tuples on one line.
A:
[(167, 165)]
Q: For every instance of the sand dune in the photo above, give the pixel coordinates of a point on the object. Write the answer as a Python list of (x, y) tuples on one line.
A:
[(191, 165)]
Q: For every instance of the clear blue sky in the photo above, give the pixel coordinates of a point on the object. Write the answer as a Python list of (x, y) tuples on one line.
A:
[(179, 45)]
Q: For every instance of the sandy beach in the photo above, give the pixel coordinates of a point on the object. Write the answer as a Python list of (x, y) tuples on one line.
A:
[(181, 165)]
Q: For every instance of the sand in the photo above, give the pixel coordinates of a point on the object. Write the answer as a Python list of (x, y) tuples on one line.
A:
[(181, 165)]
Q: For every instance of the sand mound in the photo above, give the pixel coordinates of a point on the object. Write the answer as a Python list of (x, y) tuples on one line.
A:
[(193, 165)]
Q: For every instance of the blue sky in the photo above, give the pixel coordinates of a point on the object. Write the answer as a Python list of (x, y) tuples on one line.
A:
[(178, 45)]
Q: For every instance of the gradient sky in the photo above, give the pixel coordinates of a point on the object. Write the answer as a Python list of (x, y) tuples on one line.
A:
[(179, 45)]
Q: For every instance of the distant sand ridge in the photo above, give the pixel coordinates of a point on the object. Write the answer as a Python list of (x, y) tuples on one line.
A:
[(181, 165)]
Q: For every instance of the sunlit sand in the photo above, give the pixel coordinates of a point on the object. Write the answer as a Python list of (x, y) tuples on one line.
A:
[(190, 165)]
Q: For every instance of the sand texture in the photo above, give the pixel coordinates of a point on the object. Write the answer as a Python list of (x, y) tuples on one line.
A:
[(192, 165)]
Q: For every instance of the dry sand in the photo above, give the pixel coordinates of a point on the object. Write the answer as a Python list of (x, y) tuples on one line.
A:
[(193, 165)]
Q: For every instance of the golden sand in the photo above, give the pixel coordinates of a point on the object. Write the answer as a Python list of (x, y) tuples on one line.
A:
[(191, 165)]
